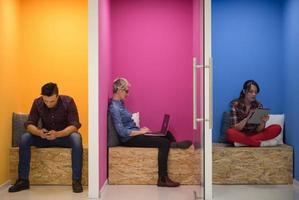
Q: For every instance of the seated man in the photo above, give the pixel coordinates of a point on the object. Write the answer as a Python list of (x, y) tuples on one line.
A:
[(60, 124)]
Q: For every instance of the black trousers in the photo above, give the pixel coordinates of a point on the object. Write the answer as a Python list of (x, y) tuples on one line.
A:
[(162, 143)]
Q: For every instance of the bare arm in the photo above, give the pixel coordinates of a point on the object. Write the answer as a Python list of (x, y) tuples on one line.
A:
[(36, 131), (63, 133), (67, 131)]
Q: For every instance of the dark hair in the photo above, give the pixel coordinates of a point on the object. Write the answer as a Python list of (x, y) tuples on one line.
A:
[(247, 86), (50, 89)]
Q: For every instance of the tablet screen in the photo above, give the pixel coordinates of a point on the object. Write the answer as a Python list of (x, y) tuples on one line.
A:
[(256, 117)]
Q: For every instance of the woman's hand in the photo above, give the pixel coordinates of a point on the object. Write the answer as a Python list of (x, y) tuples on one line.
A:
[(145, 130), (250, 114), (239, 126), (142, 131), (265, 118), (262, 125)]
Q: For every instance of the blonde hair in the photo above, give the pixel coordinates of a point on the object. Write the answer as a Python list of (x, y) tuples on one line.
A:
[(120, 84)]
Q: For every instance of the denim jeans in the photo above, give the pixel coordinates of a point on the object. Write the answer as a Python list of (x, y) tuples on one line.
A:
[(73, 141)]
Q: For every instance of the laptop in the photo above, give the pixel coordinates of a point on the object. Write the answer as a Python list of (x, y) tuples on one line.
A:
[(163, 130)]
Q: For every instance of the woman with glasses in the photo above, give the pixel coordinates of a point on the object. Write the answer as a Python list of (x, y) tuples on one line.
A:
[(132, 136), (243, 133)]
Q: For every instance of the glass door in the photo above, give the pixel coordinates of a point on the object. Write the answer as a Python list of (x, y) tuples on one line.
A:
[(202, 97), (208, 100)]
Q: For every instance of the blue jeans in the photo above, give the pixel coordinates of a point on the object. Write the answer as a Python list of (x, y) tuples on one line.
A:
[(73, 141)]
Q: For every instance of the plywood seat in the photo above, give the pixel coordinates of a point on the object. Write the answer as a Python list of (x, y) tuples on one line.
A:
[(252, 165), (231, 165), (128, 165), (49, 166)]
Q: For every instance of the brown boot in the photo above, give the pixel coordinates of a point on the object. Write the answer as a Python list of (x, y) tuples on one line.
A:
[(166, 182)]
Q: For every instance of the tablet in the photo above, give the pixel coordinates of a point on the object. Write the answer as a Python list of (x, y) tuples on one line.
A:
[(257, 115)]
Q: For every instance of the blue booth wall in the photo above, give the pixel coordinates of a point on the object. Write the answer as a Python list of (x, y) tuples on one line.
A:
[(253, 39), (247, 43), (291, 63)]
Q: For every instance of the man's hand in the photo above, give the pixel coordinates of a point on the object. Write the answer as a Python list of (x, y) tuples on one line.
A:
[(51, 135), (43, 133)]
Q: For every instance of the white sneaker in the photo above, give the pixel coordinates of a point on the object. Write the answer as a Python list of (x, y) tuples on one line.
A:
[(237, 144)]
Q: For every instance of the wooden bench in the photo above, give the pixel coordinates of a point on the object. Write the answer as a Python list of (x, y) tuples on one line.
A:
[(49, 166), (252, 165), (231, 165), (128, 165)]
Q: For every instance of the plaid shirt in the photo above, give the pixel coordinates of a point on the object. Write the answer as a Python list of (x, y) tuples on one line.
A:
[(238, 113), (58, 118)]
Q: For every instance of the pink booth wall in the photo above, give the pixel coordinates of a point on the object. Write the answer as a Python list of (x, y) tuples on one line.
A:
[(104, 83), (152, 47), (151, 43)]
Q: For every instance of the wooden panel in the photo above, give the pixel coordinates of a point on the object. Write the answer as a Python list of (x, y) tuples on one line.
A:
[(252, 165), (231, 165), (129, 165)]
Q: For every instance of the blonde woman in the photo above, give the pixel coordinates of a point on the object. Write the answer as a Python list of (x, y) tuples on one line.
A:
[(132, 136)]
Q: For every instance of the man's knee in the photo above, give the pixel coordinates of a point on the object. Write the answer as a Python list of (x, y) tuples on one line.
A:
[(26, 139), (76, 139)]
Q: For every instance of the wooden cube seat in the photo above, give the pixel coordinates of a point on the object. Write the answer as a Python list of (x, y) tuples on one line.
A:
[(231, 165), (252, 165), (130, 165), (49, 166)]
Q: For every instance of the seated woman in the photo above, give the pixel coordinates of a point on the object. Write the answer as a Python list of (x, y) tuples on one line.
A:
[(241, 110), (132, 136)]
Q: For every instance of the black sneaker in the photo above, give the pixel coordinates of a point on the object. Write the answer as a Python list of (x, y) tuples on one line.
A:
[(181, 145), (77, 186), (21, 184)]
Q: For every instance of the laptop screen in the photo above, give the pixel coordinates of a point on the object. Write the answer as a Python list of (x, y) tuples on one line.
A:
[(165, 124)]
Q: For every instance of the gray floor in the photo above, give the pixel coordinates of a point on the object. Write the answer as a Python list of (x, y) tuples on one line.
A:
[(256, 192), (140, 192)]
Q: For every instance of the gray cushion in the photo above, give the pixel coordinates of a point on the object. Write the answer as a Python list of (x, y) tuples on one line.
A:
[(18, 129), (112, 136), (225, 124)]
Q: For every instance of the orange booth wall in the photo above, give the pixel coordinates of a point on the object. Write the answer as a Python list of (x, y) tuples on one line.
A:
[(8, 78), (53, 48), (41, 41)]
